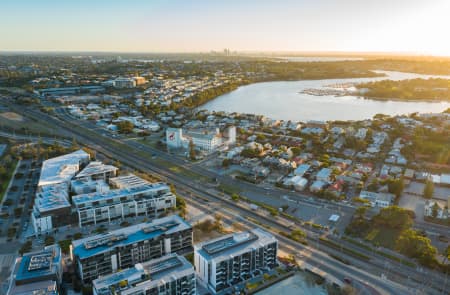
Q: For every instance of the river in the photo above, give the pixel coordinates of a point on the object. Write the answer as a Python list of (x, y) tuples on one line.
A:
[(284, 100)]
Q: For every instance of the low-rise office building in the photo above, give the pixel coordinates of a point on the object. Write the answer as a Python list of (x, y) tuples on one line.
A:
[(223, 262), (53, 92), (103, 206), (203, 139), (123, 248), (170, 274), (37, 272)]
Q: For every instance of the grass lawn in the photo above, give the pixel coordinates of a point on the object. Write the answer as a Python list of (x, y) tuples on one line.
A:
[(385, 237)]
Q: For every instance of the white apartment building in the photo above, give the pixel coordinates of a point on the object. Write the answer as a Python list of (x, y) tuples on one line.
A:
[(107, 253), (226, 261), (170, 274), (147, 199), (51, 205)]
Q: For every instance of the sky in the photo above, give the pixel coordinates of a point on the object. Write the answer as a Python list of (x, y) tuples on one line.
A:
[(404, 26)]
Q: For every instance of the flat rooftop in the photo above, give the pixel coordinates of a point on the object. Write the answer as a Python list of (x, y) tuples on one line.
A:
[(62, 168), (234, 244), (48, 287), (94, 168), (164, 269), (377, 196), (118, 193), (94, 245), (127, 181), (52, 198), (42, 264)]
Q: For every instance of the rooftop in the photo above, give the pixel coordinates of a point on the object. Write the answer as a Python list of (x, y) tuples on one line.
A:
[(118, 193), (234, 244), (52, 198), (149, 273), (62, 168), (127, 181), (47, 287), (94, 168), (93, 245), (372, 196), (39, 265)]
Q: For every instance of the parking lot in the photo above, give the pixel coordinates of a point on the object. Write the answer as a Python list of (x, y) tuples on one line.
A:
[(309, 209), (416, 188), (18, 201)]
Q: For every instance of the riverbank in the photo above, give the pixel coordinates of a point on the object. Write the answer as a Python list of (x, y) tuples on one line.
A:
[(284, 100), (341, 93)]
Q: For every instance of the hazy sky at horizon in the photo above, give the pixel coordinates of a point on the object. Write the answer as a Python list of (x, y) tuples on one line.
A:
[(414, 26)]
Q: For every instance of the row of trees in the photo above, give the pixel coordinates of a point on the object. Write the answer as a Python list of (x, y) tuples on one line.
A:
[(408, 89), (409, 242)]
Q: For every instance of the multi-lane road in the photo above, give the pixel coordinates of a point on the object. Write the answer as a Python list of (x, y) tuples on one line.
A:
[(130, 152)]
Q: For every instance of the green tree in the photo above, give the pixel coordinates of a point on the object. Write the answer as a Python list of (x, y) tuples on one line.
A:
[(428, 189), (414, 245), (435, 210), (192, 153), (396, 186), (226, 162), (394, 217), (125, 127)]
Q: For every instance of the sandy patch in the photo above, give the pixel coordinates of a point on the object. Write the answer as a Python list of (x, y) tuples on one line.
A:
[(12, 116)]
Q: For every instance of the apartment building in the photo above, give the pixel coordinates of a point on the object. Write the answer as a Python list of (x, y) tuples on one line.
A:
[(37, 273), (93, 178), (149, 199), (129, 180), (51, 206), (170, 274), (226, 261), (105, 254)]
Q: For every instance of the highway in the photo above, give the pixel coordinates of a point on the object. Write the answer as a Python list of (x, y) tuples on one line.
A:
[(132, 158)]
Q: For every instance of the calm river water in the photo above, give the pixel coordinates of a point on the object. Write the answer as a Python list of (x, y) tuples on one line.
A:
[(283, 100)]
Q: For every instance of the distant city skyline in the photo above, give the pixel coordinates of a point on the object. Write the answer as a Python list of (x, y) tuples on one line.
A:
[(414, 26)]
